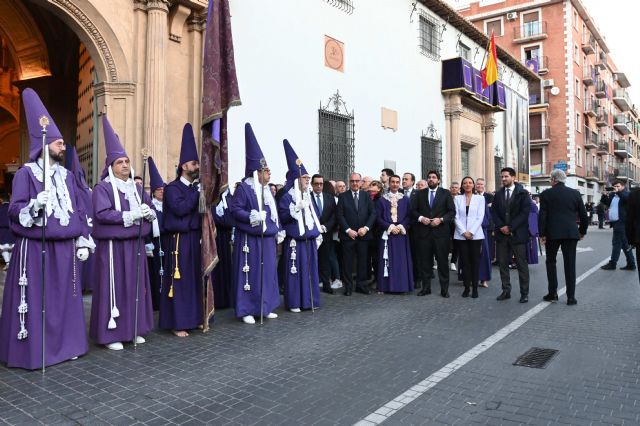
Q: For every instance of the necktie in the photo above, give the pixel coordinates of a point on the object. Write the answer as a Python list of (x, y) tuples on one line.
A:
[(508, 194), (319, 203), (431, 197), (355, 199)]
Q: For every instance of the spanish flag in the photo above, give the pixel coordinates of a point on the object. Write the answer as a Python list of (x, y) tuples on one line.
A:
[(490, 71)]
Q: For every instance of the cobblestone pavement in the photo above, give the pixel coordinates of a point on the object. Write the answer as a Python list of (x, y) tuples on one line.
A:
[(355, 354)]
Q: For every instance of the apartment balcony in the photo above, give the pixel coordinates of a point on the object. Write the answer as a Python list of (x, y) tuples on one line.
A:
[(602, 148), (602, 118), (591, 108), (621, 79), (539, 65), (622, 124), (621, 99), (535, 100), (588, 76), (540, 170), (601, 89), (601, 61), (588, 44), (623, 171), (593, 174), (530, 31), (539, 135), (622, 149), (590, 138)]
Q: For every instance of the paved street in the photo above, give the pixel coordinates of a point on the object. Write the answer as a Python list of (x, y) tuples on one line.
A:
[(357, 354)]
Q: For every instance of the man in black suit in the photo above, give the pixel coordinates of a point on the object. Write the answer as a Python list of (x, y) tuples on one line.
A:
[(559, 207), (325, 206), (616, 201), (356, 215), (432, 210), (510, 214), (632, 225)]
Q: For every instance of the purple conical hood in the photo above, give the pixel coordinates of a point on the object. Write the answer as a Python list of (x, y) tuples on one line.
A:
[(188, 150), (254, 158), (294, 172), (33, 110), (72, 163), (154, 176), (113, 146)]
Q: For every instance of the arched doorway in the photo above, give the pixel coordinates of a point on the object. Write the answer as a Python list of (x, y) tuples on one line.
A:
[(40, 50)]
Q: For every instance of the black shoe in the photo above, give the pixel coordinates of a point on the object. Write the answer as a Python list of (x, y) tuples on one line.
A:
[(504, 296), (444, 294), (550, 297), (524, 299), (362, 290), (326, 288), (465, 293), (572, 302), (629, 268), (424, 292), (609, 266), (474, 293)]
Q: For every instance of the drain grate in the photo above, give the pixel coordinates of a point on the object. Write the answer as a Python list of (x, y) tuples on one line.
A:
[(536, 358)]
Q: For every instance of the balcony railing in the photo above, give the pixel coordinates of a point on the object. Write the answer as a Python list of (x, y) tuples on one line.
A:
[(622, 149), (588, 44), (535, 99), (528, 31), (602, 148), (538, 64), (601, 89), (621, 99), (602, 117), (591, 107), (624, 171), (539, 135), (590, 138), (601, 62), (593, 173), (621, 124), (588, 76)]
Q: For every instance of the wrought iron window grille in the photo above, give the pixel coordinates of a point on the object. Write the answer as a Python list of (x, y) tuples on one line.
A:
[(336, 139), (431, 145), (429, 36), (344, 5)]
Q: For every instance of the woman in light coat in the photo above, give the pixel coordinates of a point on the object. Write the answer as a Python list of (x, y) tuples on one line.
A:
[(468, 235)]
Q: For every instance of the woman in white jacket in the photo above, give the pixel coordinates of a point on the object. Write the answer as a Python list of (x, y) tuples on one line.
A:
[(468, 234)]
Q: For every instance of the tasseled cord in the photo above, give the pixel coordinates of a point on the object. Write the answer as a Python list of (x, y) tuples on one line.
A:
[(246, 268), (113, 309), (385, 254), (293, 244), (22, 282)]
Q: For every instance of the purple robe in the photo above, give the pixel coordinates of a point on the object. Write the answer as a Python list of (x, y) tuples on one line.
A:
[(108, 226), (399, 265), (532, 245), (301, 286), (158, 263), (65, 330), (261, 247), (6, 236), (182, 224), (223, 272)]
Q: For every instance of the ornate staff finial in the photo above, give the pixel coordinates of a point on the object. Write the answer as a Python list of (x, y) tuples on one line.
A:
[(44, 121)]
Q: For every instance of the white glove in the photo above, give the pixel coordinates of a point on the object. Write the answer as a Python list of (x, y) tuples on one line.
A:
[(82, 254), (41, 200), (255, 218), (323, 229), (148, 248), (263, 216), (302, 204), (280, 237), (136, 214), (146, 211)]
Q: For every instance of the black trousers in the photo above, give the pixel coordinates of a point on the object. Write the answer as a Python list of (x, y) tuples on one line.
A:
[(324, 259), (568, 248), (504, 249), (469, 251), (359, 249), (428, 248)]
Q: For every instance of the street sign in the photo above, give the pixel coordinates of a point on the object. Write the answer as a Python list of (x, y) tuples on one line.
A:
[(560, 166)]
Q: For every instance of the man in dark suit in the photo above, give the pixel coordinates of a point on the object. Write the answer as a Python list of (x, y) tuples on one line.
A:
[(559, 207), (510, 214), (325, 206), (632, 225), (616, 201), (432, 210), (356, 215)]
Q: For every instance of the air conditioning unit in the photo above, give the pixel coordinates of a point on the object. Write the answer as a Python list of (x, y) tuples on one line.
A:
[(547, 83), (512, 16)]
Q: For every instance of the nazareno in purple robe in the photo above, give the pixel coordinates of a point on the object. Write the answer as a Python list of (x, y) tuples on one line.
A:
[(301, 278), (223, 272), (182, 225), (109, 228), (398, 265), (260, 246), (65, 326), (532, 245)]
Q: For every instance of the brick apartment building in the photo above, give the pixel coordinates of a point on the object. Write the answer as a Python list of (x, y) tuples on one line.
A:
[(580, 116)]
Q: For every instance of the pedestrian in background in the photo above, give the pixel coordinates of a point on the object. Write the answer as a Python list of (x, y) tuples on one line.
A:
[(559, 207), (632, 227), (616, 201)]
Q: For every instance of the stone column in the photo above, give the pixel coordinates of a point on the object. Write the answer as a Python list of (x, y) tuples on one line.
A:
[(154, 135), (195, 26), (453, 113), (488, 126)]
